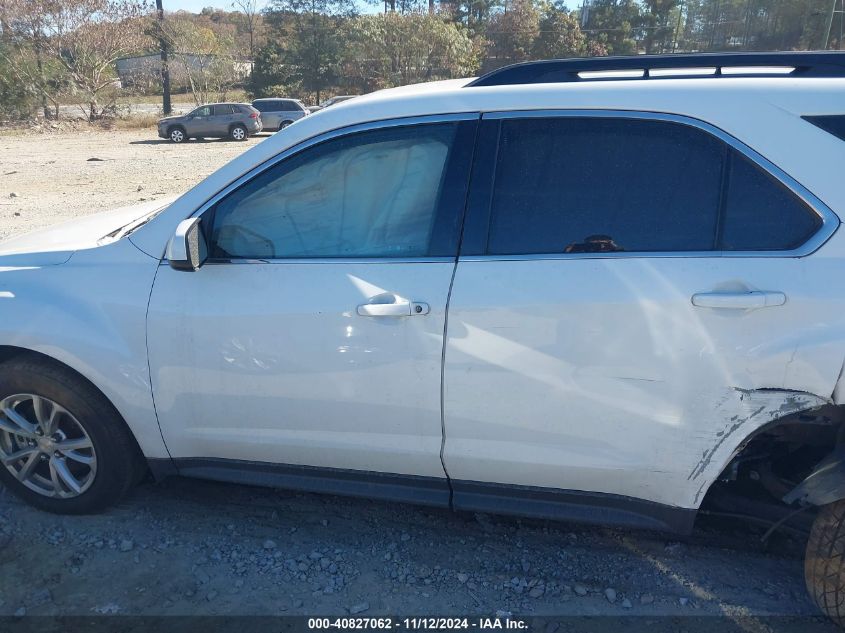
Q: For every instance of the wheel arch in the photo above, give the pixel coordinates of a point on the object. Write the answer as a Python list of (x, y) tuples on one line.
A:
[(12, 352), (794, 459), (78, 368), (176, 126)]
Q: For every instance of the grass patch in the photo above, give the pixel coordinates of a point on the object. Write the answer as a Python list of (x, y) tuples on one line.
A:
[(136, 122)]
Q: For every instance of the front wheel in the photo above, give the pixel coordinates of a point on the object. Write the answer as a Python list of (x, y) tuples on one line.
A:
[(824, 571), (63, 446), (238, 133), (177, 135)]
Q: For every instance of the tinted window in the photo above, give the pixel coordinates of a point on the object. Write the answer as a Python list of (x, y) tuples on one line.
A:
[(572, 185), (373, 194), (761, 213), (276, 106), (220, 110), (264, 106), (203, 111), (566, 185)]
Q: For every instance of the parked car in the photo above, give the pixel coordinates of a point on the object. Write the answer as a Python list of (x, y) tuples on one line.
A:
[(336, 100), (236, 121), (329, 102), (279, 113), (642, 277)]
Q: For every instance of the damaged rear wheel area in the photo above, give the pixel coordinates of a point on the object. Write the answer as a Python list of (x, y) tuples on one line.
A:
[(790, 475), (823, 565)]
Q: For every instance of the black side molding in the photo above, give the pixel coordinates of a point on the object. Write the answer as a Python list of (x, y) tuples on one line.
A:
[(539, 503), (571, 505), (427, 491)]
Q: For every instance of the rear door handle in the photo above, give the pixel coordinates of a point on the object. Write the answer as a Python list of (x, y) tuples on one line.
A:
[(393, 309), (739, 300)]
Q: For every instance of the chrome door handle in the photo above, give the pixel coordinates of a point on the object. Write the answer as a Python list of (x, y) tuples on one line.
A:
[(393, 309), (739, 300)]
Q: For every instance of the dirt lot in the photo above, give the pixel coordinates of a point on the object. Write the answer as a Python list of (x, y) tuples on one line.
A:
[(190, 547), (47, 178)]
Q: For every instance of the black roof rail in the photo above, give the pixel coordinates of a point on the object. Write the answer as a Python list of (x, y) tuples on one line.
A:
[(805, 64)]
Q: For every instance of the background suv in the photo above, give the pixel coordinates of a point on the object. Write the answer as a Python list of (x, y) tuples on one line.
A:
[(544, 292), (236, 121), (279, 113)]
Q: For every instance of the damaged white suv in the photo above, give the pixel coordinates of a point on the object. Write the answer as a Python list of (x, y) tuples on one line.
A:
[(603, 290)]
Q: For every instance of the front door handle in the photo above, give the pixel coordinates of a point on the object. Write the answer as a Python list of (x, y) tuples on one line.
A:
[(393, 309), (739, 300)]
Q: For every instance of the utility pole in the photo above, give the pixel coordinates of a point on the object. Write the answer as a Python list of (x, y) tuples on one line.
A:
[(165, 69), (829, 25)]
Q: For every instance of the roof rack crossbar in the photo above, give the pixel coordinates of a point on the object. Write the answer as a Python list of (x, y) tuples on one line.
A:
[(799, 64)]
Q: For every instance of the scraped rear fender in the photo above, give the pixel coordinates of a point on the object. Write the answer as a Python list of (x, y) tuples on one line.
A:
[(743, 414)]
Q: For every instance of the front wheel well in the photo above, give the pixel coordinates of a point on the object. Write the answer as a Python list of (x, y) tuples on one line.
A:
[(11, 352)]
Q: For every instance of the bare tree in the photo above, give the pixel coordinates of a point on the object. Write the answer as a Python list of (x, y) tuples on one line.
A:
[(202, 59), (250, 10), (87, 37), (25, 34)]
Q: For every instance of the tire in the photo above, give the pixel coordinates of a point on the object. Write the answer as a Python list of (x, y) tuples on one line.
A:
[(177, 134), (283, 125), (824, 571), (84, 416), (238, 133)]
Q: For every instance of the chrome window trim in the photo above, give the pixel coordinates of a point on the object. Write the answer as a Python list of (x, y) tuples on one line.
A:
[(315, 140), (830, 221), (334, 260)]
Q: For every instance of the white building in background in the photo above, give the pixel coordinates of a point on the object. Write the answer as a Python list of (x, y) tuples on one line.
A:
[(145, 70)]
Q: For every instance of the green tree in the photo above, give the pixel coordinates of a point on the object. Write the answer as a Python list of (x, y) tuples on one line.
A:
[(395, 49), (656, 23), (307, 42), (560, 34), (613, 24), (513, 30), (16, 99)]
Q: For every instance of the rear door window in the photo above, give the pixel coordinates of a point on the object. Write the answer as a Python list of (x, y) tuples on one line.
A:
[(593, 185), (761, 214), (569, 185)]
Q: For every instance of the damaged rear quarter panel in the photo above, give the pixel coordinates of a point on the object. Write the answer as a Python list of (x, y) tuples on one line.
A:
[(736, 416)]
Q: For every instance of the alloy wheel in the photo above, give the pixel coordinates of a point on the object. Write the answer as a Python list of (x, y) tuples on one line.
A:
[(45, 447)]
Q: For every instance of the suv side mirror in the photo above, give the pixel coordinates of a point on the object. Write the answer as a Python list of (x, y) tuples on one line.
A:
[(187, 249)]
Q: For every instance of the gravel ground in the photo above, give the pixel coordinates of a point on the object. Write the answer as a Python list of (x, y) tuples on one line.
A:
[(50, 177), (187, 547), (184, 547)]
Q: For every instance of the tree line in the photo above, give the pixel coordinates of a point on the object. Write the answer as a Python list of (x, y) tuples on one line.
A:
[(60, 51)]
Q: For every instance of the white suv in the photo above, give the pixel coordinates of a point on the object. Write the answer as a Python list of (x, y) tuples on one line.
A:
[(603, 290)]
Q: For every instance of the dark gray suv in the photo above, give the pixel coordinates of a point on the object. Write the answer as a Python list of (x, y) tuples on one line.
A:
[(215, 120)]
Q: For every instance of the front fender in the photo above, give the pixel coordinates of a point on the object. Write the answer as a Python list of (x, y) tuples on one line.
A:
[(90, 314)]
